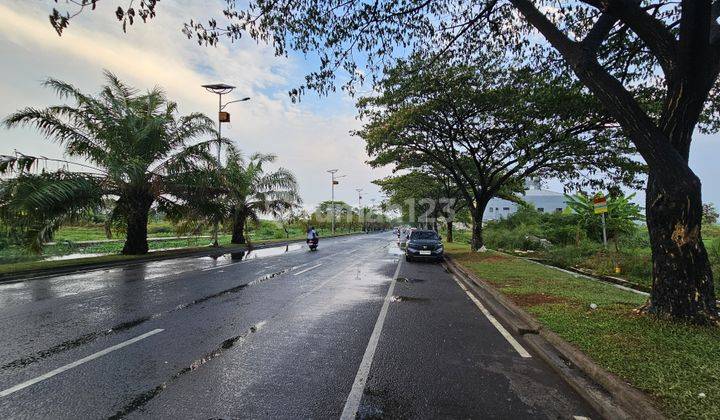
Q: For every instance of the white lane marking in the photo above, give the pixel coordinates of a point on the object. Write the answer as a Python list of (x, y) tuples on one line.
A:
[(352, 251), (513, 342), (76, 363), (581, 418), (214, 267), (353, 400), (308, 269)]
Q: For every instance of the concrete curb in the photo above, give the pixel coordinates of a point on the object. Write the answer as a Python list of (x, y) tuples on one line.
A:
[(610, 396), (89, 265)]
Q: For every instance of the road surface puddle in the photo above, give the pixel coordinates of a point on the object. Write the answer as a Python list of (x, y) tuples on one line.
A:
[(71, 344), (394, 249), (90, 337), (143, 398), (251, 254)]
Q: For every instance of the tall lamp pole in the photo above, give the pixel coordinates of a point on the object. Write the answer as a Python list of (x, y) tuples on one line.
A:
[(332, 198), (359, 191), (221, 89)]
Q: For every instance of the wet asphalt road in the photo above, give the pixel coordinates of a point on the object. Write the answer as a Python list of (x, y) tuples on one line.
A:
[(272, 334)]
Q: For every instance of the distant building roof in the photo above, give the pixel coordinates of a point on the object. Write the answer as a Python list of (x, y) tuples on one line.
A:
[(541, 193)]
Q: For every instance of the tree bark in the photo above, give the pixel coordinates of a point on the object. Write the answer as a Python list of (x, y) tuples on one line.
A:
[(449, 226), (477, 241), (238, 228), (476, 213), (137, 219), (682, 277)]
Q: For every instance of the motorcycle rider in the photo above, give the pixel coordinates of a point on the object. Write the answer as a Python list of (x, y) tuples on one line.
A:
[(312, 235)]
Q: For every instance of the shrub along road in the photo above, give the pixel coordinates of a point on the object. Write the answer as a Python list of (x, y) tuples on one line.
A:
[(350, 328)]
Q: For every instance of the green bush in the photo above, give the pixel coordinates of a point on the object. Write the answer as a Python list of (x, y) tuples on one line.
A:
[(572, 255), (155, 229), (522, 236)]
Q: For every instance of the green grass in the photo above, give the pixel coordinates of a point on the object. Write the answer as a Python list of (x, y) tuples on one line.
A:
[(156, 229), (672, 362)]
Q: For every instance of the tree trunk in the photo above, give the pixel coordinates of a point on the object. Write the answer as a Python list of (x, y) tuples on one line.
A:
[(137, 220), (477, 238), (449, 226), (682, 277), (238, 228), (476, 213)]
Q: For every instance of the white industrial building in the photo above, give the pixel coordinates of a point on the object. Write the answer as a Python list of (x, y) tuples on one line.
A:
[(544, 201)]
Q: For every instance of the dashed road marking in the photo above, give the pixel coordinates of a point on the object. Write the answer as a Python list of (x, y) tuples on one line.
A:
[(308, 269), (76, 363), (513, 342)]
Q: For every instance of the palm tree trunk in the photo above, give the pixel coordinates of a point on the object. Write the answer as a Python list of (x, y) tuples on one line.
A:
[(238, 228), (137, 219)]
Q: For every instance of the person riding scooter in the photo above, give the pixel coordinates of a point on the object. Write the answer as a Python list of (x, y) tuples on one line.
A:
[(312, 238)]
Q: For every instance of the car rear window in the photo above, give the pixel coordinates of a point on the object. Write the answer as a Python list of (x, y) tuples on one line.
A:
[(424, 235)]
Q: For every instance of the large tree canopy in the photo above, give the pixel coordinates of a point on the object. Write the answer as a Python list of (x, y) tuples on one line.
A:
[(490, 127)]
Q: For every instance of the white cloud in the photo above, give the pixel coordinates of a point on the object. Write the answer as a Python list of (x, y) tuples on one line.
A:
[(308, 137)]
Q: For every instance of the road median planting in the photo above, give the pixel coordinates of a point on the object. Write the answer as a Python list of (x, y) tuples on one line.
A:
[(676, 365)]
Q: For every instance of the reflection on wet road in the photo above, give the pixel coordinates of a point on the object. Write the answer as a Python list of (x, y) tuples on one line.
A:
[(275, 332)]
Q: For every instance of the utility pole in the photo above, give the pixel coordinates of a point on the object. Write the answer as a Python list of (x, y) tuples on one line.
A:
[(359, 191), (332, 197), (221, 89)]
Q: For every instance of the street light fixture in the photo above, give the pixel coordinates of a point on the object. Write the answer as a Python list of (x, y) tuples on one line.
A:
[(221, 89)]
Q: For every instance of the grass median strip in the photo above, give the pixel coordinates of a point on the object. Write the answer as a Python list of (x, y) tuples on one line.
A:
[(676, 364)]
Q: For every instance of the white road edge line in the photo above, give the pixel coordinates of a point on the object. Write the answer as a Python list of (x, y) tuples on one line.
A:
[(356, 392), (307, 269), (513, 342), (76, 363)]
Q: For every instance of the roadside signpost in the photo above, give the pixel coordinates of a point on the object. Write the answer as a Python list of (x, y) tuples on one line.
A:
[(600, 206)]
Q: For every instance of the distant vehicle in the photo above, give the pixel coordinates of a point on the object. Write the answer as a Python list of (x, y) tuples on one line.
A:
[(404, 236), (312, 243), (424, 244)]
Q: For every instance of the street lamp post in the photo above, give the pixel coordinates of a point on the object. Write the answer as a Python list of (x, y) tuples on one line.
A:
[(359, 191), (332, 198), (221, 89), (334, 179)]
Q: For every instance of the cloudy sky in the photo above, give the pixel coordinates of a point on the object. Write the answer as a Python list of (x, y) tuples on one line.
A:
[(309, 137)]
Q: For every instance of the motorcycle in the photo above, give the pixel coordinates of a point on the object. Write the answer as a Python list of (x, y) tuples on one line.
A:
[(312, 244)]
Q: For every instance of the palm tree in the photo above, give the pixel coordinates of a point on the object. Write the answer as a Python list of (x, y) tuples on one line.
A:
[(136, 145), (250, 191)]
